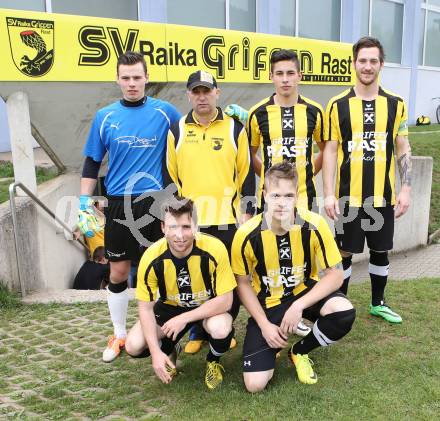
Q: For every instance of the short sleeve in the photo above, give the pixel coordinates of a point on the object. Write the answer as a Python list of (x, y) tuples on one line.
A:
[(318, 132), (253, 131), (224, 278), (325, 247), (147, 283), (403, 120), (95, 146), (173, 114), (242, 258), (331, 123)]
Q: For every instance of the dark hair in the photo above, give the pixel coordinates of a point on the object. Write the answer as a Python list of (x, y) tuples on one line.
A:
[(283, 170), (368, 42), (177, 206), (129, 58), (98, 254), (284, 55)]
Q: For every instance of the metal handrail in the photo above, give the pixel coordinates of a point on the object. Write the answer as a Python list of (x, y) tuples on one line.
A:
[(12, 189)]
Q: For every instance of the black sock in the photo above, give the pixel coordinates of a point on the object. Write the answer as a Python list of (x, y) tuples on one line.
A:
[(378, 268), (346, 265), (167, 345), (217, 347), (117, 288), (326, 330)]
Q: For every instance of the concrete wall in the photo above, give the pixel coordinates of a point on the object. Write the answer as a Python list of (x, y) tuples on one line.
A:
[(49, 261), (428, 86), (5, 142), (60, 260), (28, 245), (397, 80)]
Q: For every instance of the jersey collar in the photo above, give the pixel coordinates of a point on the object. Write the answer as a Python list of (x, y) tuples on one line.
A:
[(191, 119), (126, 103)]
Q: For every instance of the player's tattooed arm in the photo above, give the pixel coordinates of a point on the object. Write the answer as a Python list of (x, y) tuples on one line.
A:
[(405, 168), (404, 162)]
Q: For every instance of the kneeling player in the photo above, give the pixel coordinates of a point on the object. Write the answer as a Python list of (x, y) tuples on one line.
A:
[(192, 274), (274, 257)]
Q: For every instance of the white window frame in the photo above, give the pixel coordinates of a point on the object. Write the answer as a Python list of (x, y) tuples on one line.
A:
[(427, 8), (297, 19), (228, 21), (49, 7), (370, 14)]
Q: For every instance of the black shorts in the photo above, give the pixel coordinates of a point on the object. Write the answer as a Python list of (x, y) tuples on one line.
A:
[(165, 312), (257, 354), (127, 243), (356, 224), (225, 233)]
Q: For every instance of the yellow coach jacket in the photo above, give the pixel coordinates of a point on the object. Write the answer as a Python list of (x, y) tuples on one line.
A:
[(211, 165)]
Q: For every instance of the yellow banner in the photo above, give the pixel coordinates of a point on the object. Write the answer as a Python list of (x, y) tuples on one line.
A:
[(50, 47)]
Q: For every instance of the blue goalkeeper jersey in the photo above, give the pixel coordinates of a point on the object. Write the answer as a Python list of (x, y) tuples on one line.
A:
[(135, 139)]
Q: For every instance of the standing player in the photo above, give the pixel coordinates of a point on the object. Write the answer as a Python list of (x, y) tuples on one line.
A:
[(190, 275), (208, 160), (274, 258), (133, 131), (284, 127), (365, 126)]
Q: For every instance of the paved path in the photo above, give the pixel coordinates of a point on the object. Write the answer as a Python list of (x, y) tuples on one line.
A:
[(420, 263)]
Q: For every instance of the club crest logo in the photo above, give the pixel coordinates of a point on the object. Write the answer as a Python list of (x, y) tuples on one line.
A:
[(183, 279), (32, 45), (217, 143), (284, 250), (369, 114)]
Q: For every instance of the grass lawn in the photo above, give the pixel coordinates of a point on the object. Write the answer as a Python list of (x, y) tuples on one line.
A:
[(50, 368), (6, 170), (428, 144)]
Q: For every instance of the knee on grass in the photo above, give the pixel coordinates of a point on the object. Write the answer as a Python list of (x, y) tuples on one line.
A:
[(133, 346), (257, 382)]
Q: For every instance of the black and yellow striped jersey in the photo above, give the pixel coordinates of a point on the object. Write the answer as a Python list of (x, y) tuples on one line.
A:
[(287, 133), (283, 265), (211, 166), (366, 132), (187, 282)]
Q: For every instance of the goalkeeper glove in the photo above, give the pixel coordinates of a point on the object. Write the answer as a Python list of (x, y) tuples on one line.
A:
[(237, 112), (87, 221)]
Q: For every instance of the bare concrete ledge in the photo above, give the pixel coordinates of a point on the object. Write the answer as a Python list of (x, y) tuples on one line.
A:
[(70, 296)]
